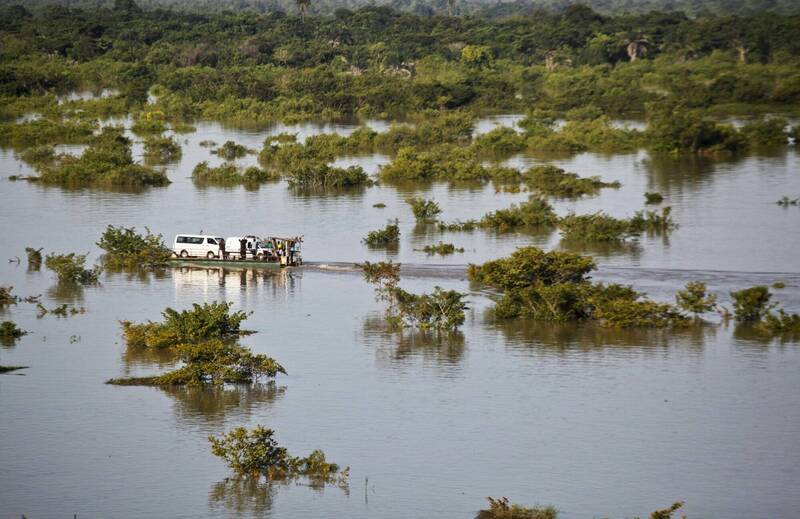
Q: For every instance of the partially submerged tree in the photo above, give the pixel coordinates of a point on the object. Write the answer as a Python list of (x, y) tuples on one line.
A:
[(71, 268), (424, 210), (124, 247), (695, 299)]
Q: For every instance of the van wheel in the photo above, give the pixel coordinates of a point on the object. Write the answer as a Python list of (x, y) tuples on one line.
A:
[(184, 254), (260, 256), (211, 255)]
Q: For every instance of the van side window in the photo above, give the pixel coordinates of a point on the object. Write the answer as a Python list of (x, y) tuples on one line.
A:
[(211, 241), (195, 241), (181, 239)]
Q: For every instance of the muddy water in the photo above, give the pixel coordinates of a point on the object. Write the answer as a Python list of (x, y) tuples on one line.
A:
[(597, 423)]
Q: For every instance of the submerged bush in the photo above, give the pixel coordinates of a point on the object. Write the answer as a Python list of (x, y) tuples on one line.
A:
[(555, 286), (160, 150), (440, 310), (603, 227), (309, 175), (46, 131), (780, 324), (229, 174), (106, 163), (255, 453), (44, 154), (458, 225), (381, 272), (695, 299), (125, 247), (554, 181), (230, 150), (34, 258), (423, 209), (7, 296), (500, 141), (442, 249), (653, 198), (201, 322), (70, 268), (502, 509), (751, 304), (536, 212), (10, 330), (212, 361), (387, 237)]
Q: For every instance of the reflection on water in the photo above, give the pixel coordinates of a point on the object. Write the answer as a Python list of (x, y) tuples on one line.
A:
[(583, 337), (242, 496), (213, 405), (441, 347), (631, 248), (66, 292)]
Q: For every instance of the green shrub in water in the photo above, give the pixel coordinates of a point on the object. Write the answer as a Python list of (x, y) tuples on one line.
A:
[(442, 249), (34, 258), (536, 212), (71, 268), (161, 150), (317, 175), (7, 296), (201, 322), (695, 299), (653, 198), (255, 453), (387, 237), (502, 509), (751, 304), (10, 330), (230, 150), (553, 181), (424, 210), (125, 247)]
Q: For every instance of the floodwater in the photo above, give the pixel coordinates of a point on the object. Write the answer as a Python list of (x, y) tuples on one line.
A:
[(598, 423)]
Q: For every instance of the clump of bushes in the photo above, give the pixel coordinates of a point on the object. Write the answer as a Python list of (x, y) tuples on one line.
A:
[(653, 198), (201, 322), (500, 141), (124, 247), (311, 175), (555, 286), (424, 210), (229, 174), (501, 508), (10, 330), (536, 212), (161, 150), (440, 310), (7, 296), (695, 298), (106, 163), (230, 150), (212, 361), (44, 154), (46, 131), (553, 181), (34, 258), (389, 236), (255, 454), (458, 225), (71, 268), (603, 227), (751, 304), (442, 249)]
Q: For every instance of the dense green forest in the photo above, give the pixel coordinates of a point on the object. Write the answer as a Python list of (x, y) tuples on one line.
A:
[(484, 8)]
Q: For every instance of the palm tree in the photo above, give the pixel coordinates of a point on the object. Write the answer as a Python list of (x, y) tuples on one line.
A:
[(302, 5), (637, 47)]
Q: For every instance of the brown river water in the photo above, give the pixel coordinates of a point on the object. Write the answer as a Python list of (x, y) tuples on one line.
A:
[(598, 423)]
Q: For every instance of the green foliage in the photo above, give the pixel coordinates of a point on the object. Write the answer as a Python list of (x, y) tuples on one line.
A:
[(389, 236), (7, 296), (667, 512), (161, 150), (502, 509), (424, 210), (554, 181), (528, 265), (106, 163), (71, 268), (44, 154), (458, 225), (440, 310), (602, 227), (653, 198), (751, 304), (555, 286), (229, 174), (781, 324), (536, 212), (214, 362), (499, 141), (230, 150), (34, 258), (39, 132), (675, 129), (201, 322), (769, 132), (308, 175), (255, 453), (125, 247), (380, 273), (583, 135), (695, 299), (442, 249), (10, 330)]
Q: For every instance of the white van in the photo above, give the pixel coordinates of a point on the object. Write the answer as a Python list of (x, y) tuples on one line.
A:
[(196, 246), (255, 248)]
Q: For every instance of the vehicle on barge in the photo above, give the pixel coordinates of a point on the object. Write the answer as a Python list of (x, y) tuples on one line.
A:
[(250, 250)]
